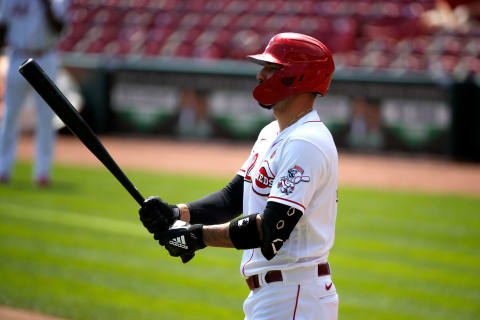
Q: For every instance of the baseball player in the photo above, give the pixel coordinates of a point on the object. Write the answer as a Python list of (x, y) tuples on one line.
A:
[(286, 190), (31, 29)]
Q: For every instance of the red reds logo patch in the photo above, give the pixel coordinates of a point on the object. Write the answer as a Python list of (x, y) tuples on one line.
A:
[(294, 176), (263, 180)]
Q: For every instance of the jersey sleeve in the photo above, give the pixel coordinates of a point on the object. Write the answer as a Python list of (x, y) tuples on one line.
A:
[(301, 171)]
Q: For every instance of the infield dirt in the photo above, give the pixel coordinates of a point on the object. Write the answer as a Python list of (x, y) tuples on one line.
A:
[(225, 158)]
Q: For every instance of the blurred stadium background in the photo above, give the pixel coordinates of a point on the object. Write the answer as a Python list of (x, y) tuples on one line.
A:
[(407, 77)]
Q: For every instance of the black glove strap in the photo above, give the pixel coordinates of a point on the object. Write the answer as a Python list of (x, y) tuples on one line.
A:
[(176, 212)]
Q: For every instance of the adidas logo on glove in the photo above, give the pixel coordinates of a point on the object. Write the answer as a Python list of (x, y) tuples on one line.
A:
[(179, 242)]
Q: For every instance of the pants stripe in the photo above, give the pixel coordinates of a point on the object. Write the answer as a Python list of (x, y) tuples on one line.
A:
[(296, 303)]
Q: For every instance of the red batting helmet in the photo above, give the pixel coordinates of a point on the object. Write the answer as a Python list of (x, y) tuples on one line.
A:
[(307, 66)]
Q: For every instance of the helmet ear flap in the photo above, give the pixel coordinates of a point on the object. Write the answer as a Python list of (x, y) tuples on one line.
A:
[(288, 81)]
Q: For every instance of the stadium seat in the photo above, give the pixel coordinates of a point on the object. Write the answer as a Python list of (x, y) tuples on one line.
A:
[(183, 50), (210, 52), (222, 20), (265, 7), (67, 44), (375, 34), (96, 47), (237, 6)]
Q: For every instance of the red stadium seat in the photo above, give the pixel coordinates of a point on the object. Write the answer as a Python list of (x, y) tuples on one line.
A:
[(222, 20), (123, 47), (210, 52), (194, 5), (274, 23), (77, 30), (265, 7), (81, 15), (192, 34), (376, 60), (237, 6), (243, 43), (386, 34), (250, 22), (164, 5), (213, 6), (184, 50), (67, 44), (341, 35), (109, 33), (96, 47), (155, 40), (142, 4), (350, 59)]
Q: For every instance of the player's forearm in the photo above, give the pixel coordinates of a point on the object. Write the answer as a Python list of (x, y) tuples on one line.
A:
[(214, 235), (217, 236)]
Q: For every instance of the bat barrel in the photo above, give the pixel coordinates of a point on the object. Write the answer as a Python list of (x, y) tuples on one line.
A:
[(55, 99)]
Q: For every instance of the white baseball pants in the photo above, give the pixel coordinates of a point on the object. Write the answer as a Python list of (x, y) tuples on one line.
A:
[(316, 299), (16, 90)]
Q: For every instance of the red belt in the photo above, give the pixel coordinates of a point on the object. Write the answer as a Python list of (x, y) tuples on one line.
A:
[(276, 275)]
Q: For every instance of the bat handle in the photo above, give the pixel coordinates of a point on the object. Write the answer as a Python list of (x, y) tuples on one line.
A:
[(136, 194), (187, 257)]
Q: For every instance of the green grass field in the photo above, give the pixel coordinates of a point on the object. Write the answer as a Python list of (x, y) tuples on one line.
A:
[(78, 251)]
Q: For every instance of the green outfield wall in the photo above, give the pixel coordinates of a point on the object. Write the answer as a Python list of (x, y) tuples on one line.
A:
[(366, 110)]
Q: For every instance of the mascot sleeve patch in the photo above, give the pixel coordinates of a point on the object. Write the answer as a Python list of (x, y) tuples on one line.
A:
[(300, 171)]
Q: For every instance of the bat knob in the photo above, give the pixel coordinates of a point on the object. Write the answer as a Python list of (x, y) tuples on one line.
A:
[(187, 257)]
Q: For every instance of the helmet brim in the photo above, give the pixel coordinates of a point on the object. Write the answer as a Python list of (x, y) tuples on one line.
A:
[(264, 58)]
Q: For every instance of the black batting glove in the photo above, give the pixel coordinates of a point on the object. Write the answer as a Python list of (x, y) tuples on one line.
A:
[(157, 215), (182, 240)]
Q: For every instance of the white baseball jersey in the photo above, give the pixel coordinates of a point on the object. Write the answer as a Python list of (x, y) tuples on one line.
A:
[(297, 167), (27, 29)]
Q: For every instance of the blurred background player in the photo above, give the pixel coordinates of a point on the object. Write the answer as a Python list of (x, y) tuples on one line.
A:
[(286, 190), (30, 29), (365, 129)]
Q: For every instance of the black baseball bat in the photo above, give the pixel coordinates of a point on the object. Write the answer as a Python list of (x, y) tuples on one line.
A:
[(55, 99), (49, 92)]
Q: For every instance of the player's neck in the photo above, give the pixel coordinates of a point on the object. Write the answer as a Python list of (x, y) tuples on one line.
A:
[(289, 111)]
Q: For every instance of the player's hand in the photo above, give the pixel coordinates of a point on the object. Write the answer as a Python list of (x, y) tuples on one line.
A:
[(157, 215), (182, 240)]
